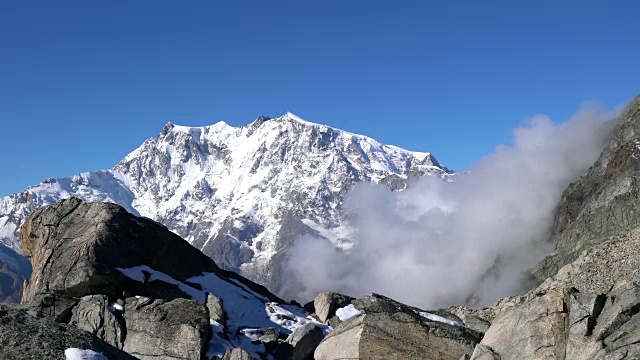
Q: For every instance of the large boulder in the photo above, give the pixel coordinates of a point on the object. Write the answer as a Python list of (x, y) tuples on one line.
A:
[(533, 330), (386, 329), (177, 329), (565, 324), (77, 248), (147, 328), (25, 337), (96, 315)]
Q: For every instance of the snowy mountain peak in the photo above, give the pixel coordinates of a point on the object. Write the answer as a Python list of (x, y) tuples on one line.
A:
[(241, 194)]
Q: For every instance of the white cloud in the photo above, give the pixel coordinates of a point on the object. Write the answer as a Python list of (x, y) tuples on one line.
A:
[(433, 244)]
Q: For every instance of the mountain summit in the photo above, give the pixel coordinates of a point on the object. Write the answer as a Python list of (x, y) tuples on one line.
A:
[(242, 194)]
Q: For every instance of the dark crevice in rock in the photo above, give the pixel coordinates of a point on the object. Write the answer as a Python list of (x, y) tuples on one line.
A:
[(598, 305)]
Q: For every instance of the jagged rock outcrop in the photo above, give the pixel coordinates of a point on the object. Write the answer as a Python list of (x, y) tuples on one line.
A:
[(604, 202), (147, 328), (177, 329), (387, 329), (25, 337), (569, 324)]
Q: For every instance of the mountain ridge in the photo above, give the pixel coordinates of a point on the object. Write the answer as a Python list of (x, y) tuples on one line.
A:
[(241, 194)]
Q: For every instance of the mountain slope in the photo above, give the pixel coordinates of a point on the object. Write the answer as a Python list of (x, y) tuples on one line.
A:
[(240, 194), (603, 203)]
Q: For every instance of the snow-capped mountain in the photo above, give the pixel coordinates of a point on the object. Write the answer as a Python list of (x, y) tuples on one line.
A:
[(240, 194)]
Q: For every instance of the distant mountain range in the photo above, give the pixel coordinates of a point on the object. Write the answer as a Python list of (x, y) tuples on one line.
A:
[(243, 194)]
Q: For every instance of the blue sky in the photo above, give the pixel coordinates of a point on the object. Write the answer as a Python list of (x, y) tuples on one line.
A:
[(82, 83)]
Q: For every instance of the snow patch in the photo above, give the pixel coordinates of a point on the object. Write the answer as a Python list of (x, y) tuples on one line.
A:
[(143, 274), (434, 317), (79, 354), (245, 309), (347, 312)]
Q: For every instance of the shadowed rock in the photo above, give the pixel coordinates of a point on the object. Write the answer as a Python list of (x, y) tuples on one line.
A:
[(24, 337)]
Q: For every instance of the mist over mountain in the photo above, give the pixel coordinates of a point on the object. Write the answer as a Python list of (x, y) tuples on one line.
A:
[(242, 195), (439, 243)]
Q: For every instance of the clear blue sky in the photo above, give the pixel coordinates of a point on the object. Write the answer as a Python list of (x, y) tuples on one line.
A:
[(82, 83)]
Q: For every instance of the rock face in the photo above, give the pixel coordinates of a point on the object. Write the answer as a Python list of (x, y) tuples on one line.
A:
[(96, 315), (602, 203), (178, 329), (387, 329), (567, 324), (24, 337), (242, 195)]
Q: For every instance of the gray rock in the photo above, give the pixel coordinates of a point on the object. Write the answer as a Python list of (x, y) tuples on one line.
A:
[(301, 343), (236, 354), (483, 352), (95, 315), (269, 335), (554, 324), (24, 337), (55, 307), (326, 304), (178, 329), (216, 311), (75, 249), (147, 328), (601, 266), (532, 330), (388, 329)]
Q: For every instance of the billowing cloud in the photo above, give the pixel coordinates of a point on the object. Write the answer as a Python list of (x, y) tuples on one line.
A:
[(437, 243)]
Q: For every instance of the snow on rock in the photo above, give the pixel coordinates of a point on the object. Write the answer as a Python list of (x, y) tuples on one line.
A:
[(230, 191), (79, 354), (246, 310), (117, 306), (347, 312), (434, 317)]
